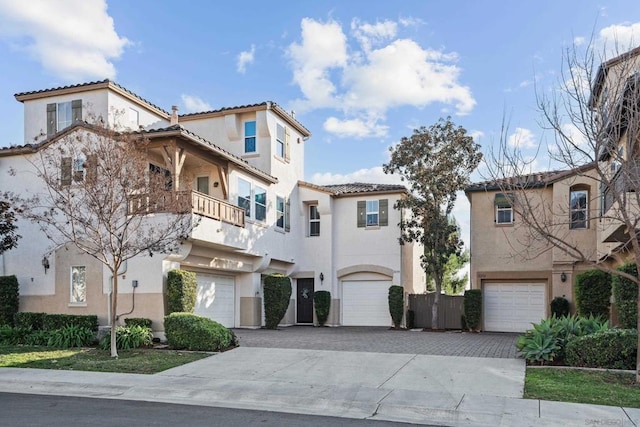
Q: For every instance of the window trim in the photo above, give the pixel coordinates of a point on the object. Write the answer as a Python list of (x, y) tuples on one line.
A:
[(248, 136), (501, 206), (198, 178), (71, 286), (281, 143), (247, 209), (372, 212), (573, 224), (313, 220)]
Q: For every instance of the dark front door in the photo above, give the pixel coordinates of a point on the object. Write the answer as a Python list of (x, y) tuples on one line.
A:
[(305, 301)]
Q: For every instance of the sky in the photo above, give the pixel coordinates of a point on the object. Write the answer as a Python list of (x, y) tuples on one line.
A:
[(359, 75)]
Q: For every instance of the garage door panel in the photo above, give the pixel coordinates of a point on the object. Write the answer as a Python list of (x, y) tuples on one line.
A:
[(513, 307), (216, 298), (365, 303)]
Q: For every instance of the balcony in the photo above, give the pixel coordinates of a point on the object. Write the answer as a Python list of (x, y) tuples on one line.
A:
[(189, 201)]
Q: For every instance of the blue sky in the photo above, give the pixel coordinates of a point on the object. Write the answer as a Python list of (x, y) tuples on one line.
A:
[(359, 74)]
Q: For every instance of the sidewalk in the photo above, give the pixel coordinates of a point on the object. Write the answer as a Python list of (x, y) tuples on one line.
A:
[(395, 387)]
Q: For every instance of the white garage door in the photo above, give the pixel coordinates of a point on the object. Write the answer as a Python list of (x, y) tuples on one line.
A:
[(366, 303), (216, 298), (513, 307)]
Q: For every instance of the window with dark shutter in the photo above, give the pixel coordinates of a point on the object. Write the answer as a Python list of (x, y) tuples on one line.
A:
[(91, 167), (76, 111), (384, 212), (51, 119), (287, 215), (362, 213), (65, 170)]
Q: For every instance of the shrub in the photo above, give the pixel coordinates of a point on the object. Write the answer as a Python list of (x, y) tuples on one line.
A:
[(52, 322), (128, 337), (38, 338), (473, 308), (625, 292), (9, 299), (322, 304), (539, 347), (191, 332), (277, 293), (611, 349), (593, 292), (181, 291), (26, 319), (13, 336), (71, 336), (560, 307), (396, 304), (138, 321)]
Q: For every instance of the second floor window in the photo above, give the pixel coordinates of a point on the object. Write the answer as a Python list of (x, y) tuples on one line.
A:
[(279, 212), (372, 213), (280, 141), (62, 115), (578, 209), (244, 196), (260, 198), (504, 210), (314, 221), (250, 137)]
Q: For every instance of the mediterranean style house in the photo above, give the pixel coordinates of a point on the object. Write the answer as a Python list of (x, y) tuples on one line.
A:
[(591, 208), (257, 216)]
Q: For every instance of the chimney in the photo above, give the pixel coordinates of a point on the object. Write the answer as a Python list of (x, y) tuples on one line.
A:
[(174, 115), (293, 114)]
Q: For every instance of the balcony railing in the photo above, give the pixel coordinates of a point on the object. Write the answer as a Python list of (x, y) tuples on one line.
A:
[(189, 201)]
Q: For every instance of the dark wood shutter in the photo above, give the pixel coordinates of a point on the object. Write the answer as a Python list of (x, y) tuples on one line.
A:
[(76, 111), (287, 215), (65, 171), (383, 205), (91, 167), (51, 119), (287, 144), (362, 213)]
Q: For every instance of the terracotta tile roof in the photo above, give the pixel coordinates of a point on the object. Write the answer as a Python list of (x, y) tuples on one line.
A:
[(360, 187), (101, 83), (219, 110)]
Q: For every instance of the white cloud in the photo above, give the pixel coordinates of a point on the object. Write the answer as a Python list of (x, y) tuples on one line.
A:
[(74, 40), (373, 71), (373, 175), (579, 41), (355, 128), (574, 134), (194, 104), (522, 138), (476, 135), (245, 58), (619, 38)]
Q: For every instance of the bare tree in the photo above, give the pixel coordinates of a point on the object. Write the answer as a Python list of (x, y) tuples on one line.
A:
[(100, 194), (594, 116), (436, 163)]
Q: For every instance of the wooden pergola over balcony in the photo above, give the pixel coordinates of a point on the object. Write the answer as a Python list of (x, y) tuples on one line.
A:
[(188, 201)]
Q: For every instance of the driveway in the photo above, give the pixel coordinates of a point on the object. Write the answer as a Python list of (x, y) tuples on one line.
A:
[(383, 340)]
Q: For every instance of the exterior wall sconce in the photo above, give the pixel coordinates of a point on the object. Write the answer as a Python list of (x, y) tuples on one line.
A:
[(45, 264), (563, 277), (216, 184), (321, 278)]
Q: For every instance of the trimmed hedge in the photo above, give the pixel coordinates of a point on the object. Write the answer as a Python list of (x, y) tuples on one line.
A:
[(181, 291), (473, 308), (138, 321), (560, 307), (396, 309), (191, 332), (27, 319), (611, 349), (9, 299), (52, 322), (128, 337), (277, 293), (593, 293), (322, 304), (625, 292)]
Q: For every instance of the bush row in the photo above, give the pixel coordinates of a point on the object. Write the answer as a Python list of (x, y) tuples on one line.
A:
[(9, 299), (51, 322)]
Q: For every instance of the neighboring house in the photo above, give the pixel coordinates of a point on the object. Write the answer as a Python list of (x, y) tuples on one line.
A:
[(518, 272), (244, 167)]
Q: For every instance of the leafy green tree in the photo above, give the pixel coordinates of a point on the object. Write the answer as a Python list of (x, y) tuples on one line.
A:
[(453, 284), (436, 163), (8, 235)]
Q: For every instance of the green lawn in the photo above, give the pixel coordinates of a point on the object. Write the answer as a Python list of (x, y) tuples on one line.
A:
[(566, 385), (138, 361)]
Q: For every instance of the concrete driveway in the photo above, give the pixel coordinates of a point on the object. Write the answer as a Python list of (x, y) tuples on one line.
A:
[(383, 340)]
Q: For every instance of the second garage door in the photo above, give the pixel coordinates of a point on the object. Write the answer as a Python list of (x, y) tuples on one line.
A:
[(513, 307), (365, 303), (216, 298)]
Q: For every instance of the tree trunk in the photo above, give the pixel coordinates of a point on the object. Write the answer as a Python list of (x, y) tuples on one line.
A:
[(114, 307), (435, 324), (638, 343)]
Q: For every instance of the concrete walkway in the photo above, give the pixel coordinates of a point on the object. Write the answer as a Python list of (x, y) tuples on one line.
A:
[(421, 389)]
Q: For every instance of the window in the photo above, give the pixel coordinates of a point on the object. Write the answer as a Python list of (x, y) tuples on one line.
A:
[(373, 213), (62, 115), (280, 212), (202, 184), (134, 118), (578, 209), (280, 141), (250, 137), (314, 221), (74, 169), (244, 196), (78, 285), (260, 198), (504, 210)]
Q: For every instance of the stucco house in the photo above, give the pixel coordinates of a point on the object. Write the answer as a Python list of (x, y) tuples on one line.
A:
[(257, 216), (518, 271)]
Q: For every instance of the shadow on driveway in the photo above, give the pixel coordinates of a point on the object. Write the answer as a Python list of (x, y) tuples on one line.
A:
[(383, 340)]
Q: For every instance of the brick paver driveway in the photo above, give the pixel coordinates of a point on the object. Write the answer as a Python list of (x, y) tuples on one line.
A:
[(382, 340)]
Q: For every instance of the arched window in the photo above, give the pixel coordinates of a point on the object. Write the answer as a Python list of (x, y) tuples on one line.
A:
[(579, 207)]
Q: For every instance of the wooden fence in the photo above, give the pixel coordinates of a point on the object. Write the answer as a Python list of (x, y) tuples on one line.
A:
[(450, 310)]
